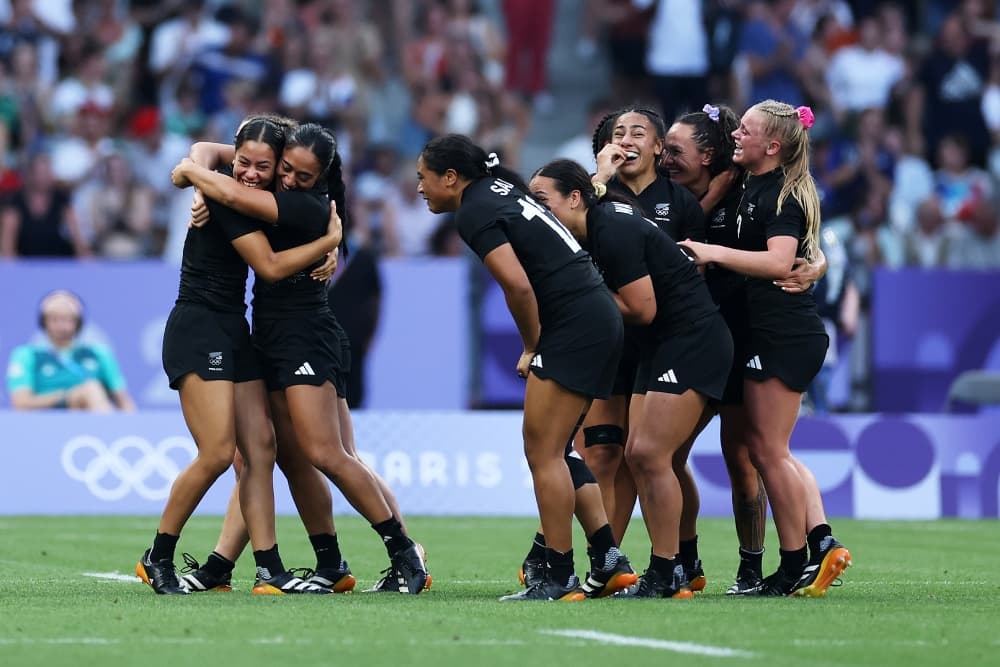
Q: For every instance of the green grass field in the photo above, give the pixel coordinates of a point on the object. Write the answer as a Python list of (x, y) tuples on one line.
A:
[(920, 593)]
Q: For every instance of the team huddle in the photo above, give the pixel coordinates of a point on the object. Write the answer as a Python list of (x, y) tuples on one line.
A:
[(670, 286)]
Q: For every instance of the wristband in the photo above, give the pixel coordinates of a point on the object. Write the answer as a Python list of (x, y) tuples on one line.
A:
[(600, 189)]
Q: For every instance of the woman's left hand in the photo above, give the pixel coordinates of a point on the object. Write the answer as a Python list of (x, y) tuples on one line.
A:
[(699, 252), (199, 210), (800, 279), (325, 270)]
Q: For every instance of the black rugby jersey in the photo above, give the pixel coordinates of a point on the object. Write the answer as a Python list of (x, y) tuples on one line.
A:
[(720, 229), (628, 246), (672, 207), (771, 308), (494, 212), (303, 216), (212, 272)]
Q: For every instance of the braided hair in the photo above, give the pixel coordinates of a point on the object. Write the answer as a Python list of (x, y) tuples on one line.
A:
[(785, 122)]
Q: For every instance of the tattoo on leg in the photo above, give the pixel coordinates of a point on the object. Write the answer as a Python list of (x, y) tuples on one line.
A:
[(751, 518)]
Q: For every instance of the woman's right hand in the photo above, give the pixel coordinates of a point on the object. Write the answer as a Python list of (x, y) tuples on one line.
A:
[(179, 174), (335, 227), (524, 363), (609, 159)]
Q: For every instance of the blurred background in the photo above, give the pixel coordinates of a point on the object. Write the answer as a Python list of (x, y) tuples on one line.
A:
[(99, 99)]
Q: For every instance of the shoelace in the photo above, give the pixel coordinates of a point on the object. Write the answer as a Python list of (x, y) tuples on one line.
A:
[(304, 573), (386, 574), (190, 564)]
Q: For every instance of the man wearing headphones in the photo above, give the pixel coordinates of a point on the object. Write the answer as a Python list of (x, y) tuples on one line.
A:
[(62, 372)]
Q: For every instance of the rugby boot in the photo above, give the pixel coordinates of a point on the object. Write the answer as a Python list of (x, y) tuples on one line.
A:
[(160, 575)]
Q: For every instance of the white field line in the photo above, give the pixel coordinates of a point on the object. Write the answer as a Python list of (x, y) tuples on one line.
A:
[(647, 642), (113, 576)]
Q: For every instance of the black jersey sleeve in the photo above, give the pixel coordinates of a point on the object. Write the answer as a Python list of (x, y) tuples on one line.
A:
[(622, 251), (480, 228), (790, 222), (232, 223), (694, 218), (307, 211)]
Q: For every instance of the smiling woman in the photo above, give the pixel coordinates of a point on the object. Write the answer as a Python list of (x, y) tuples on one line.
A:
[(299, 342), (207, 352), (778, 221)]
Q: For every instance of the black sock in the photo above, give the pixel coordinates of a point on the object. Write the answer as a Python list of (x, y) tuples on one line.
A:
[(391, 532), (537, 551), (327, 549), (815, 537), (560, 564), (753, 559), (689, 552), (794, 562), (663, 566), (268, 562), (218, 565), (601, 542), (164, 546)]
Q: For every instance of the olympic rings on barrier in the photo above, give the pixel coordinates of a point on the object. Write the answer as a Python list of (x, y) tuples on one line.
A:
[(110, 475)]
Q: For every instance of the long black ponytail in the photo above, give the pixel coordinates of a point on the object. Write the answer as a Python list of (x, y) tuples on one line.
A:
[(322, 143), (458, 152)]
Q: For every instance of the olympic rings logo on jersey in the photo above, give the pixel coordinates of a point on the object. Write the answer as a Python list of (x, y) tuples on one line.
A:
[(110, 474)]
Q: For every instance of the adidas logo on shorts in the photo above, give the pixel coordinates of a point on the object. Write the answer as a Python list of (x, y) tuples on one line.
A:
[(305, 369), (755, 364), (668, 377), (536, 361)]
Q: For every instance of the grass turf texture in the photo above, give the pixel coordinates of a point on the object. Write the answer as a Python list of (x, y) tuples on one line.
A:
[(920, 593)]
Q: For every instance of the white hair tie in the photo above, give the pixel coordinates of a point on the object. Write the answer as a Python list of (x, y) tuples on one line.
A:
[(492, 161)]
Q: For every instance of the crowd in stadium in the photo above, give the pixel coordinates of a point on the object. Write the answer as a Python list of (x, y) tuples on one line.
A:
[(100, 98)]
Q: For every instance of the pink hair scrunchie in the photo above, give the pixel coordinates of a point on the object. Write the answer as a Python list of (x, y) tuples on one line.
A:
[(806, 117)]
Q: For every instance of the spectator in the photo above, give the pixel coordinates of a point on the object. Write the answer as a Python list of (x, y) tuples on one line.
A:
[(839, 305), (216, 67), (61, 371), (356, 296), (38, 221), (86, 88), (771, 50), (116, 211), (177, 41), (75, 154), (152, 154), (408, 225), (977, 246), (959, 185), (24, 95), (627, 26), (23, 25), (928, 245), (863, 74), (677, 56), (529, 30), (948, 93)]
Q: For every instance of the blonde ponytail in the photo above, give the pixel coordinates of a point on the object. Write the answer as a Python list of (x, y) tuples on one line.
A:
[(788, 125)]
